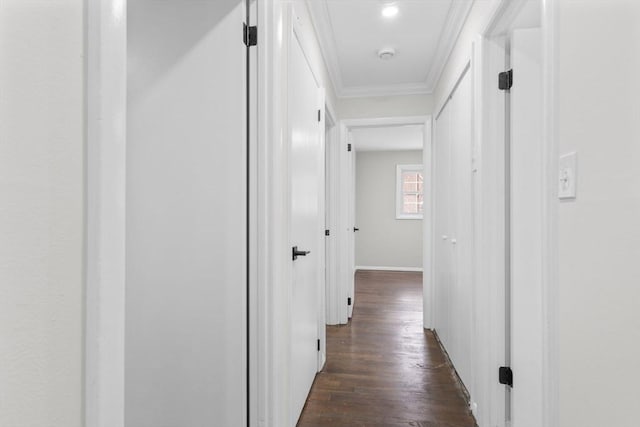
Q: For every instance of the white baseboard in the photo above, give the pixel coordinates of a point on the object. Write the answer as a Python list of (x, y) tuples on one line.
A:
[(368, 267)]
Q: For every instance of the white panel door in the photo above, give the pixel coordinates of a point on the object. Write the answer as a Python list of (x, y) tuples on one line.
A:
[(526, 228), (306, 223), (352, 228), (462, 218), (186, 224)]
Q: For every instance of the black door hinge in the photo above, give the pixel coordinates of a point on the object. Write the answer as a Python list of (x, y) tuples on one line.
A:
[(348, 147), (327, 232), (505, 376), (505, 80), (319, 115), (318, 345), (249, 35), (349, 301)]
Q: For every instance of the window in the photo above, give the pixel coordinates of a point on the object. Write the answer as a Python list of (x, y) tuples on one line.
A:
[(409, 192)]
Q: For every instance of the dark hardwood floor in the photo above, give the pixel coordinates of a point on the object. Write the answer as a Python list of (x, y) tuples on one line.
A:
[(384, 369)]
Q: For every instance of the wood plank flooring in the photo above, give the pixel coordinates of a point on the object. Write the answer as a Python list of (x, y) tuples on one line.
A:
[(384, 369)]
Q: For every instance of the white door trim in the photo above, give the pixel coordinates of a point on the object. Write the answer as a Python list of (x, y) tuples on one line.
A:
[(276, 24), (105, 203), (550, 153), (106, 100), (332, 145), (502, 12), (342, 256)]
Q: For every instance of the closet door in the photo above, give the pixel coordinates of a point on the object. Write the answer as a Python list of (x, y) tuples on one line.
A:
[(461, 234), (453, 227), (442, 246)]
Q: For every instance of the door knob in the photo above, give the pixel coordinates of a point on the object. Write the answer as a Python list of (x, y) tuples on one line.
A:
[(295, 253), (355, 229)]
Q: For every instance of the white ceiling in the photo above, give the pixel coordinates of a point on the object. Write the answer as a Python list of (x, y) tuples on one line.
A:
[(351, 32), (391, 138)]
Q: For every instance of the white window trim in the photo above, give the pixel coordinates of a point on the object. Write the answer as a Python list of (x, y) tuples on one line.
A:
[(399, 201)]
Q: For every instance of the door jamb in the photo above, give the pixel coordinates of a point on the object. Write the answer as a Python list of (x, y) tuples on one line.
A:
[(502, 11), (345, 270), (105, 198)]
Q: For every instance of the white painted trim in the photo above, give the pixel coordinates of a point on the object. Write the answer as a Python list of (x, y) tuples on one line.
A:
[(496, 26), (378, 268), (440, 104), (332, 146), (454, 24), (386, 90), (453, 27), (428, 226), (322, 262), (385, 121), (345, 270), (274, 299), (550, 259), (503, 13), (342, 227), (106, 77), (272, 239)]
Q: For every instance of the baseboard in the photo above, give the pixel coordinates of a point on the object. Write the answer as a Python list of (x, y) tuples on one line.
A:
[(368, 267)]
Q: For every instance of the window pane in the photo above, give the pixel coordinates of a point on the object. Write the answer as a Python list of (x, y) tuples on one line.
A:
[(409, 182), (411, 186), (410, 203)]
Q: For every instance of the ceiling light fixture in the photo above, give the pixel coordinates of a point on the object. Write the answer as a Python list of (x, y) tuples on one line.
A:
[(386, 53), (390, 10)]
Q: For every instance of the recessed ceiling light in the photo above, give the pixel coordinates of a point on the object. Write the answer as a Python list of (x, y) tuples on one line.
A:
[(390, 10)]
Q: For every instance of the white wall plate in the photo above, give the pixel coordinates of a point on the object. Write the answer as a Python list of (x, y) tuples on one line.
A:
[(567, 176)]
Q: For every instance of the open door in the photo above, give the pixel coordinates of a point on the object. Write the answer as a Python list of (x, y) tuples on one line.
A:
[(351, 300), (186, 214)]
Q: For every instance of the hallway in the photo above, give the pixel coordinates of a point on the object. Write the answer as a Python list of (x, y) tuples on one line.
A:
[(383, 368)]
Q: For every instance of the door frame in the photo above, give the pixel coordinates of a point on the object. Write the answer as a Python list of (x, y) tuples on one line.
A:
[(277, 20), (488, 104), (105, 201), (332, 144), (343, 257), (105, 35)]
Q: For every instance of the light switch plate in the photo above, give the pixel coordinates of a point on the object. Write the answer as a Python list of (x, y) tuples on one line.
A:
[(568, 176)]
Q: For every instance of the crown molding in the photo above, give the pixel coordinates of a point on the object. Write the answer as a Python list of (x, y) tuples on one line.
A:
[(453, 26), (319, 12)]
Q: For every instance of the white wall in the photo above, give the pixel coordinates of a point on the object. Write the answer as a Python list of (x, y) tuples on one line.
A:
[(383, 240), (41, 213), (599, 233), (385, 106), (186, 226)]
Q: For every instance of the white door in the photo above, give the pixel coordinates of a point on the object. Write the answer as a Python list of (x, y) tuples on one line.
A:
[(306, 223), (526, 228), (186, 215), (351, 300)]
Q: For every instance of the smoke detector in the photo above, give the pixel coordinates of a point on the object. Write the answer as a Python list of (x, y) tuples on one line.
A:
[(386, 53)]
